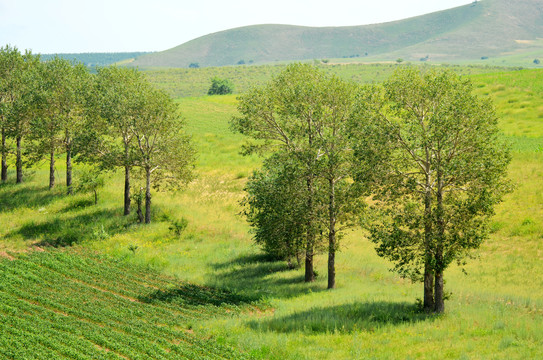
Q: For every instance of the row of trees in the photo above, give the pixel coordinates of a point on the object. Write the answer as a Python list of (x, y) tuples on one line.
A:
[(114, 119), (417, 161)]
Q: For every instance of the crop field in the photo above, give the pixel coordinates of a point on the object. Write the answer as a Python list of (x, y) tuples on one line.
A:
[(62, 304), (125, 290)]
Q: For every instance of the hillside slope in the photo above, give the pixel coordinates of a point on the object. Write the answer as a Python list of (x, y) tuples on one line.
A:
[(482, 29)]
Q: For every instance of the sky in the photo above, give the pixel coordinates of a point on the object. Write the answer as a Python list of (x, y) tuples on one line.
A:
[(74, 26)]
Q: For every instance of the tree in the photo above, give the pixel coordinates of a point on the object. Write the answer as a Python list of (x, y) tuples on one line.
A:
[(303, 115), (25, 106), (62, 97), (283, 116), (116, 104), (89, 181), (10, 61), (343, 197), (220, 87), (443, 170), (163, 152)]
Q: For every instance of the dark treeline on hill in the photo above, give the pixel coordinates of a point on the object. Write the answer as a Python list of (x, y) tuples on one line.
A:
[(109, 120), (95, 59)]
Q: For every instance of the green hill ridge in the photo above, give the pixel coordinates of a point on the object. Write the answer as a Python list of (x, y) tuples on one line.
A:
[(483, 29)]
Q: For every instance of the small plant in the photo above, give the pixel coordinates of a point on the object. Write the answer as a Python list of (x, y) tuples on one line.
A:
[(89, 181), (178, 226), (133, 248), (100, 233)]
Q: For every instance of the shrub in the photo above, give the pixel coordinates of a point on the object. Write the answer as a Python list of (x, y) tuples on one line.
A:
[(220, 87)]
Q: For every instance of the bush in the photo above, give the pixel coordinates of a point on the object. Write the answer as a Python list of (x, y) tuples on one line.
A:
[(537, 62), (220, 87), (194, 65)]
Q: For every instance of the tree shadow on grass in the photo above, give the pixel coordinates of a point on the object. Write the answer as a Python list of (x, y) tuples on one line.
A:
[(18, 196), (345, 318), (258, 276), (194, 295), (66, 231)]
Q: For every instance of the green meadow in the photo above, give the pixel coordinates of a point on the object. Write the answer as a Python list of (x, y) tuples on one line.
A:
[(255, 307)]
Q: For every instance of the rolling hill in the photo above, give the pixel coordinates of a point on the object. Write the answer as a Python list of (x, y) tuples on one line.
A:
[(488, 29)]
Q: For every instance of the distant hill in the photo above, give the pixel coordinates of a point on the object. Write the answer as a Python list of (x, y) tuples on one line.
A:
[(97, 59), (482, 30)]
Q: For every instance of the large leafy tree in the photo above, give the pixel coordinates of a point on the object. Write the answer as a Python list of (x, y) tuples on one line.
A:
[(62, 96), (162, 151), (283, 115), (11, 61), (304, 115), (115, 106), (443, 168), (25, 106)]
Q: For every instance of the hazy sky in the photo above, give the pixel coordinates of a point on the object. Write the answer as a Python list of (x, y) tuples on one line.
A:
[(49, 26)]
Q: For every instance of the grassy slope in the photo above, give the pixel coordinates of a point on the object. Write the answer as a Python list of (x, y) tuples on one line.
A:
[(495, 312), (488, 28)]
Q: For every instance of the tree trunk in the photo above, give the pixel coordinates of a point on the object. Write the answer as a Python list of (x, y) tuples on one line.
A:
[(52, 169), (439, 263), (439, 292), (69, 170), (332, 236), (19, 162), (310, 239), (126, 181), (428, 303), (4, 157), (309, 272), (148, 196), (95, 197)]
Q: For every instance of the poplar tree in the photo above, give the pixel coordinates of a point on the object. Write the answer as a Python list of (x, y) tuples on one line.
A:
[(305, 114), (443, 169), (163, 152)]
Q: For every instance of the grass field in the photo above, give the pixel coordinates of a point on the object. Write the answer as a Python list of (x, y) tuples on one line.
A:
[(495, 312)]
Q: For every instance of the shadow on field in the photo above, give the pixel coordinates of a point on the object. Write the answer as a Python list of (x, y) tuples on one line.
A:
[(194, 295), (63, 231), (258, 275), (18, 196), (345, 318)]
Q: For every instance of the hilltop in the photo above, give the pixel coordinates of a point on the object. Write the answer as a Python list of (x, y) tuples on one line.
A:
[(484, 30)]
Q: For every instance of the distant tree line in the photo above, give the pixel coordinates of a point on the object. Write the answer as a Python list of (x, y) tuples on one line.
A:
[(416, 161), (113, 119)]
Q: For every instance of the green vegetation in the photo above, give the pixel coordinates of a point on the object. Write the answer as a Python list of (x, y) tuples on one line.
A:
[(495, 312), (499, 30), (75, 305), (220, 87)]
